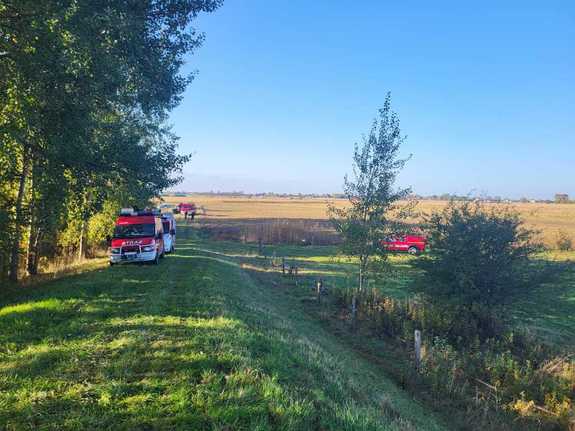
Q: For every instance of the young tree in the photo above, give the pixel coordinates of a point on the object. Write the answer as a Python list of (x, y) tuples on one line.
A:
[(371, 193)]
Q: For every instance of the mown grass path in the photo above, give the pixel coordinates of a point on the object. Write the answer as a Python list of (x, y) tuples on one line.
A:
[(195, 343)]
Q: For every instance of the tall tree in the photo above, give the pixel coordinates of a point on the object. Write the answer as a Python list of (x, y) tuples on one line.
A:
[(371, 193), (73, 71)]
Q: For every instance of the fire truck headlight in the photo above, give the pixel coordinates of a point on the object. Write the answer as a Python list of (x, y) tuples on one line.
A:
[(151, 247), (115, 250)]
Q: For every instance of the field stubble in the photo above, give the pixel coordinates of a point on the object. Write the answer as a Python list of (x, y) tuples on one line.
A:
[(310, 214)]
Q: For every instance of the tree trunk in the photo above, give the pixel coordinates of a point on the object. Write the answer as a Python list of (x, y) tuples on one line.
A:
[(33, 250), (82, 245), (34, 229), (85, 214), (15, 252), (361, 278)]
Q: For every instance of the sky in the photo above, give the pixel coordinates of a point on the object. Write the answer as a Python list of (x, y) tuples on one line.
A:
[(285, 88)]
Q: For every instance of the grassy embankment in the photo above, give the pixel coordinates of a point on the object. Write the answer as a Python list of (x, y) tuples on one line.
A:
[(194, 343), (548, 310)]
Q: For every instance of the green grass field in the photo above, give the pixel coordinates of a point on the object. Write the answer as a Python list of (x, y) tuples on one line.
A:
[(196, 343), (213, 339), (548, 310)]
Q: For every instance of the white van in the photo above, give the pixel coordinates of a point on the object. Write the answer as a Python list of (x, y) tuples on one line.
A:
[(169, 224)]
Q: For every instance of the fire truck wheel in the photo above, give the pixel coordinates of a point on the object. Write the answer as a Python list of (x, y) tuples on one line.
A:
[(412, 250)]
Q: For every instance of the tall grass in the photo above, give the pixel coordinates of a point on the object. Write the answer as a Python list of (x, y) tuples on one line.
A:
[(505, 369), (272, 231)]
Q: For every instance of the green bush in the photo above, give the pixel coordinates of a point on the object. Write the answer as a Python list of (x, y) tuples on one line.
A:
[(510, 372), (564, 241), (477, 255), (101, 224)]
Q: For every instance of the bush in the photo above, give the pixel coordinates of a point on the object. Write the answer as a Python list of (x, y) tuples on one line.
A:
[(479, 261), (477, 256), (564, 241), (512, 373), (101, 224)]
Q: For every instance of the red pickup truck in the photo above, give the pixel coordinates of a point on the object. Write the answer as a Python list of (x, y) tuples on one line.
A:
[(413, 244)]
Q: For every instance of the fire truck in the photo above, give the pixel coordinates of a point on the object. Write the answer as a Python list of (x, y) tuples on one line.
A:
[(188, 209), (138, 237)]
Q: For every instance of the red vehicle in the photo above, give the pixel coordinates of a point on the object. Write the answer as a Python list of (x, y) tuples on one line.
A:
[(412, 244), (187, 209), (138, 237)]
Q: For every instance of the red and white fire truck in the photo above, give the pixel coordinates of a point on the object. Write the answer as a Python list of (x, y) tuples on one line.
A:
[(138, 237)]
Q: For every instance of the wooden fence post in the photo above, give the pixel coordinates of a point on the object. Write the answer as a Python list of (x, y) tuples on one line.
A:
[(417, 346), (319, 287)]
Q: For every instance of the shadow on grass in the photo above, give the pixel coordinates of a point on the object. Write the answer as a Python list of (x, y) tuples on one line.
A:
[(171, 346)]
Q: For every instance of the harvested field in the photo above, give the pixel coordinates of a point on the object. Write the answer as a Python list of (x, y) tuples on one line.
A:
[(271, 231), (548, 218)]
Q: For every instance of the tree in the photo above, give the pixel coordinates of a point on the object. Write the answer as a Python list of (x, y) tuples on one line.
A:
[(86, 86), (371, 193), (477, 256)]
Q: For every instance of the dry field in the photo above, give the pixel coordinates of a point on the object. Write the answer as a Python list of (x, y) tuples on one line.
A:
[(550, 219)]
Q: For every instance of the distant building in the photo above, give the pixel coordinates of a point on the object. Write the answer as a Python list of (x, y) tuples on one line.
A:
[(561, 198)]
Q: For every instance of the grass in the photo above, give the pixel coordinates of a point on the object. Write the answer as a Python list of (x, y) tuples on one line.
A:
[(548, 310), (194, 343)]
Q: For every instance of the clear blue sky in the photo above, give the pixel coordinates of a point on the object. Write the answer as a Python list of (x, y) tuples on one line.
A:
[(486, 94)]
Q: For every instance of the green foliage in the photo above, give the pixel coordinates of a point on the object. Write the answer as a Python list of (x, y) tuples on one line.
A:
[(86, 88), (522, 372), (564, 241), (477, 256), (101, 225), (371, 192)]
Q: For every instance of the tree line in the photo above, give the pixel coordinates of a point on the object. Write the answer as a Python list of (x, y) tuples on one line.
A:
[(85, 90)]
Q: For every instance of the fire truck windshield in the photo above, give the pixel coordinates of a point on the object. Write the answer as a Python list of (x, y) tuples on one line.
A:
[(134, 230)]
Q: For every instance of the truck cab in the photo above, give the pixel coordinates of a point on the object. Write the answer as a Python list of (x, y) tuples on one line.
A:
[(169, 227), (138, 237), (412, 244)]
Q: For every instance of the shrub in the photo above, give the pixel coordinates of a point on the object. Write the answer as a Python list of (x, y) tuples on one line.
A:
[(476, 257), (564, 241), (512, 373)]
